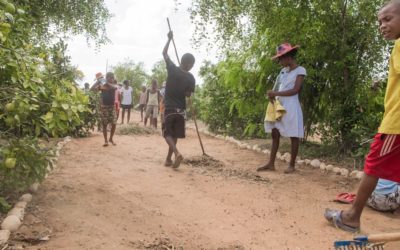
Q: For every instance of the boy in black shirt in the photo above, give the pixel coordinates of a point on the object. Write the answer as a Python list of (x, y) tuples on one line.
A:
[(180, 84), (107, 106)]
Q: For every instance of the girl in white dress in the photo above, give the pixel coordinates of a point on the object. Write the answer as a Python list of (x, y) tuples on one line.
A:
[(287, 88)]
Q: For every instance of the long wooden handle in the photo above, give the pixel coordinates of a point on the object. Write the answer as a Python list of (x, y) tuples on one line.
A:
[(173, 42), (195, 124), (384, 237)]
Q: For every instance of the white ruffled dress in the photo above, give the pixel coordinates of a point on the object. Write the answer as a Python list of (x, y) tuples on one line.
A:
[(291, 124)]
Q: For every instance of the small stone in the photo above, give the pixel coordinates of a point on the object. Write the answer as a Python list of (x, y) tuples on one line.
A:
[(26, 198), (17, 211), (329, 168), (242, 146), (336, 170), (307, 161), (259, 150), (287, 157), (34, 187), (344, 172), (322, 166), (315, 163), (11, 223), (59, 147), (360, 175), (4, 236), (278, 155), (249, 147), (255, 147), (301, 162), (353, 174), (21, 204), (267, 152)]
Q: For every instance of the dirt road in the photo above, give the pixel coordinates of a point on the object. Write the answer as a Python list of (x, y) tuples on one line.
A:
[(122, 197)]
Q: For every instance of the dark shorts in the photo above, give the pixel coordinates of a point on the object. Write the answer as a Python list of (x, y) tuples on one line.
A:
[(174, 123), (141, 107), (126, 106)]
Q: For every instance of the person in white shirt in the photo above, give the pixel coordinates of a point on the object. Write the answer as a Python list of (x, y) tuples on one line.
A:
[(127, 100)]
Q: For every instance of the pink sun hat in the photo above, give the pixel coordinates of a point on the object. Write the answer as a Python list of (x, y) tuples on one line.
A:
[(283, 49)]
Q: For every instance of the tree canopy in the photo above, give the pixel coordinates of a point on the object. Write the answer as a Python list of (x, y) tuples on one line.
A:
[(340, 48)]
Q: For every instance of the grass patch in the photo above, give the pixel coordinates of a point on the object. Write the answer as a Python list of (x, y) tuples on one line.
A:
[(134, 129)]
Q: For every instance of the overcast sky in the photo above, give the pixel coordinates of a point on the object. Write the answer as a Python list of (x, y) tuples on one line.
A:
[(138, 31)]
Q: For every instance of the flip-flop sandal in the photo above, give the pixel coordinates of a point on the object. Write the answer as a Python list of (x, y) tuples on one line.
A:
[(346, 198), (178, 161), (105, 145), (335, 217)]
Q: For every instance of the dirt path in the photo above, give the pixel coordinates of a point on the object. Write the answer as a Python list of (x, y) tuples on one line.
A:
[(123, 197)]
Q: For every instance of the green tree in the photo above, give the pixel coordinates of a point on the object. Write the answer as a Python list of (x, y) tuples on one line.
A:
[(60, 18), (39, 98), (159, 72), (341, 50), (134, 72)]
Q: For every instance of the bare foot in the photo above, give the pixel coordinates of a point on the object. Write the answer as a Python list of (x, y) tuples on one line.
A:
[(168, 163), (178, 160), (289, 170), (105, 144), (267, 167), (113, 143)]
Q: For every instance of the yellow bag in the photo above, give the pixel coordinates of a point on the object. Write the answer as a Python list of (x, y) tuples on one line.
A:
[(274, 112)]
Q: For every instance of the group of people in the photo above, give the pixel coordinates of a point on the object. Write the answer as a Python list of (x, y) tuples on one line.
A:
[(382, 163)]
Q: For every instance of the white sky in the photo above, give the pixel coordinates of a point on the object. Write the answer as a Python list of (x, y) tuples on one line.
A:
[(138, 31)]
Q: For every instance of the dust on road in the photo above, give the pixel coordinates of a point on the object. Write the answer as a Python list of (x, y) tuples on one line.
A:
[(122, 197)]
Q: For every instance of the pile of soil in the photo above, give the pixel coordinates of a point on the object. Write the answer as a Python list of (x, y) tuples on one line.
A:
[(162, 243), (208, 163), (203, 161), (135, 129)]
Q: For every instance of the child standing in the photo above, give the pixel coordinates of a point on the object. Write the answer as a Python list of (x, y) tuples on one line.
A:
[(152, 104), (289, 83), (126, 100), (383, 160), (142, 102)]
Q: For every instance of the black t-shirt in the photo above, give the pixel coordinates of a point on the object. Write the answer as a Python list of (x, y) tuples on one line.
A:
[(108, 96), (178, 83)]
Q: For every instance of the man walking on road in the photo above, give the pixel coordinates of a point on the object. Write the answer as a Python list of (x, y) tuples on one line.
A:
[(180, 84)]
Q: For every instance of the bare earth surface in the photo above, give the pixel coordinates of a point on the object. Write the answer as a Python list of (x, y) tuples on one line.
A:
[(122, 197)]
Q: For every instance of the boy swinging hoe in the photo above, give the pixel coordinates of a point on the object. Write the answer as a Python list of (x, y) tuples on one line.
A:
[(180, 84)]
